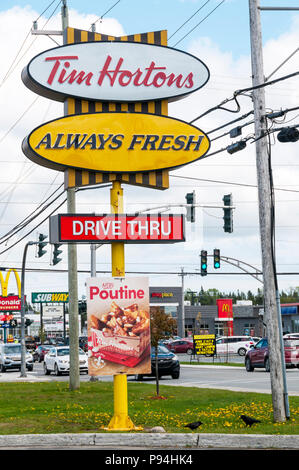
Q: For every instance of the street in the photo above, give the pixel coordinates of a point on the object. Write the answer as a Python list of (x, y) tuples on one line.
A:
[(200, 376)]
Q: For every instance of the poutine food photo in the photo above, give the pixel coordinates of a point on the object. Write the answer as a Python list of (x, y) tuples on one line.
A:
[(118, 330)]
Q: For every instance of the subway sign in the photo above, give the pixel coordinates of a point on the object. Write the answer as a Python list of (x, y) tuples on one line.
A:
[(115, 71), (115, 142), (49, 297), (107, 228)]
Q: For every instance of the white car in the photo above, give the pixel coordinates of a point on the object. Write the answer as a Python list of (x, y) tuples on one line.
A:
[(58, 360), (10, 357), (291, 335), (234, 344)]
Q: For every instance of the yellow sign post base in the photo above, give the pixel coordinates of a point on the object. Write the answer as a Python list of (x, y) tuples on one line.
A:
[(120, 420)]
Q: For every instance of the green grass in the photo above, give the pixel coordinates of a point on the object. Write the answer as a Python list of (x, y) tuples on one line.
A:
[(31, 408)]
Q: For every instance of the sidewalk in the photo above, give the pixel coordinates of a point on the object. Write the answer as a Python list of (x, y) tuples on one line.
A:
[(153, 441)]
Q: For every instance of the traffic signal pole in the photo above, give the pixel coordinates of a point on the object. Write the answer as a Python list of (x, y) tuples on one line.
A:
[(265, 211)]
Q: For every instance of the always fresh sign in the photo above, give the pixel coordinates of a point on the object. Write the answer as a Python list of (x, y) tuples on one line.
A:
[(115, 71), (115, 142)]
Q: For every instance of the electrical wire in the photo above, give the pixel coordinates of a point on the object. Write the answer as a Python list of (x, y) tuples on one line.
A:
[(19, 51), (229, 182), (28, 219), (242, 92), (192, 16), (196, 26), (101, 17)]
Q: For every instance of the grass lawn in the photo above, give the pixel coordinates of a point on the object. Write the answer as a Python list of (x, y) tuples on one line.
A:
[(30, 408)]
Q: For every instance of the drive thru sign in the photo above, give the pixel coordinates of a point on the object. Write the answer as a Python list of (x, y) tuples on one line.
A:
[(89, 228)]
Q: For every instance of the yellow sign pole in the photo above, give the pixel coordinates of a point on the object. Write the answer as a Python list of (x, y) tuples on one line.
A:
[(120, 420)]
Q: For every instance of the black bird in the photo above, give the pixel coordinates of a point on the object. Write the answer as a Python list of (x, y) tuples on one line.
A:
[(194, 425), (248, 420)]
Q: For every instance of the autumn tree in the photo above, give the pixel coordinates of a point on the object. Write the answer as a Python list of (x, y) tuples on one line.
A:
[(162, 326)]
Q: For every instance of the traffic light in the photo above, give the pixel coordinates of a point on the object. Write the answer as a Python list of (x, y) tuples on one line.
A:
[(203, 263), (289, 134), (28, 322), (56, 253), (228, 213), (13, 323), (190, 198), (216, 258), (41, 245)]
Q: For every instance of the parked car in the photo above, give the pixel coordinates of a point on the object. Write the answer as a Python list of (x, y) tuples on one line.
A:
[(258, 356), (291, 335), (234, 344), (170, 339), (10, 357), (181, 346), (168, 364), (256, 339), (41, 351), (83, 342), (58, 360)]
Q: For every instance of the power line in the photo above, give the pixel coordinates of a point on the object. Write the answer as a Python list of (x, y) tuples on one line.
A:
[(109, 9), (8, 73), (196, 26), (189, 19), (242, 92), (230, 183)]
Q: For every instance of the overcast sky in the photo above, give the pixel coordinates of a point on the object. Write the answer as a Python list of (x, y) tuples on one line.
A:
[(218, 34)]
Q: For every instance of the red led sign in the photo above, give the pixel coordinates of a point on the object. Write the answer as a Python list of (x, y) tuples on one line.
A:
[(107, 228)]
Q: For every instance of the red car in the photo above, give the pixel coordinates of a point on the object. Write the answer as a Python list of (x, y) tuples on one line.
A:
[(258, 355), (181, 346)]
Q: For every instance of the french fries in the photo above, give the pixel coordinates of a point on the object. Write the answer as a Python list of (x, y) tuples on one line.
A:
[(122, 322)]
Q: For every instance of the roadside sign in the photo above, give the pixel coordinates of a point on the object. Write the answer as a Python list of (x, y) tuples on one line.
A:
[(107, 228), (114, 71), (115, 142), (204, 344), (49, 297)]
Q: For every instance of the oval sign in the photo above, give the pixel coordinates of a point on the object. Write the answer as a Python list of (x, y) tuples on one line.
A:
[(115, 142), (114, 71)]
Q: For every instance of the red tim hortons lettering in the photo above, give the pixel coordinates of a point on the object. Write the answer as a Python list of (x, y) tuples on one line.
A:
[(151, 76), (73, 75)]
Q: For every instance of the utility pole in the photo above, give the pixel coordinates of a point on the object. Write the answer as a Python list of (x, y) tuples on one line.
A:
[(265, 208), (74, 382)]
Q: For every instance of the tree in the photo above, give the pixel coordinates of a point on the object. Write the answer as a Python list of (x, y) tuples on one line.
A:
[(162, 326)]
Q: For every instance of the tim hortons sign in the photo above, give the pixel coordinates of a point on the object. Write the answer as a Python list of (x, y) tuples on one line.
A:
[(115, 71), (91, 228), (115, 142)]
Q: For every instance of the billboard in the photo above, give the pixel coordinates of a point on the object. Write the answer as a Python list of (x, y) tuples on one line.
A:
[(118, 322)]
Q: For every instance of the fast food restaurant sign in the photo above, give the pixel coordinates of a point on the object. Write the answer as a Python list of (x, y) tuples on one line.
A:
[(91, 228), (114, 71), (115, 142)]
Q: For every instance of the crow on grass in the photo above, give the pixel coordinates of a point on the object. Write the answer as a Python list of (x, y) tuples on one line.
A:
[(194, 425), (249, 421)]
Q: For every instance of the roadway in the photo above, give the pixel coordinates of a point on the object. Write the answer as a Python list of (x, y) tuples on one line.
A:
[(192, 375)]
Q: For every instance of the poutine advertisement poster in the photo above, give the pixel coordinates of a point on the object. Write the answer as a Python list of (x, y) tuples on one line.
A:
[(118, 322)]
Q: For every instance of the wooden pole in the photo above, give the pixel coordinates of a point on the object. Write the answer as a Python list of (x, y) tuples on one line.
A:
[(265, 208)]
